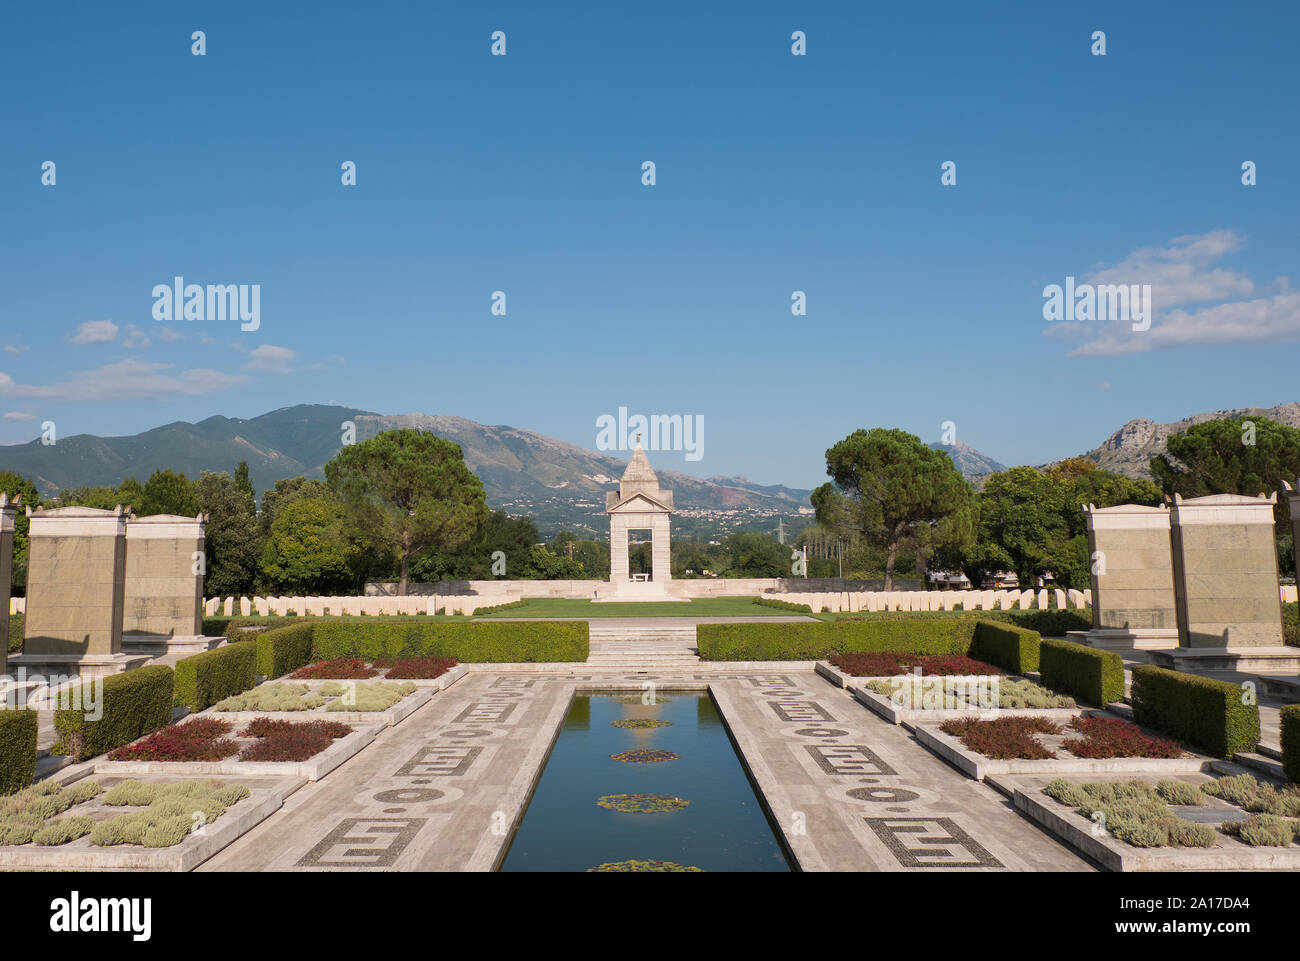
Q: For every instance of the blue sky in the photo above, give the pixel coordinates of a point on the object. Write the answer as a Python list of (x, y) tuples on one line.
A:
[(775, 173)]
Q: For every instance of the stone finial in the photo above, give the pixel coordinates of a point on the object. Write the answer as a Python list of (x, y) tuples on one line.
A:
[(1286, 486)]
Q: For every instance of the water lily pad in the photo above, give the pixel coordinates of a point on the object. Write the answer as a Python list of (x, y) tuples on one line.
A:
[(645, 755), (637, 866), (643, 803), (640, 722)]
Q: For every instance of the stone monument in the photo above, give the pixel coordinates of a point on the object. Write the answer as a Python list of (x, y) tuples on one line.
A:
[(76, 579), (639, 504), (1133, 605), (163, 600), (1226, 587)]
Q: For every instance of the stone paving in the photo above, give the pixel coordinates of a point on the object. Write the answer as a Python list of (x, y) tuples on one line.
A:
[(443, 790)]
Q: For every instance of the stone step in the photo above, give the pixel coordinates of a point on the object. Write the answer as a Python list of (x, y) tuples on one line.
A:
[(1261, 764)]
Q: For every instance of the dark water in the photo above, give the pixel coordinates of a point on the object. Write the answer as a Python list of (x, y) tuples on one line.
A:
[(723, 829)]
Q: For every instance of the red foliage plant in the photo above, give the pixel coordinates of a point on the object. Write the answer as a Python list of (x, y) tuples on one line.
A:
[(343, 668), (202, 739), (1113, 737), (413, 668), (891, 664), (1003, 738), (290, 740)]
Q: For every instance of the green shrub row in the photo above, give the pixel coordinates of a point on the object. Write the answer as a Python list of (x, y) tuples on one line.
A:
[(1291, 742), (498, 608), (811, 641), (1014, 649), (1092, 676), (1211, 715), (204, 679), (1290, 624), (126, 707), (466, 641), (18, 728), (781, 605), (284, 649), (16, 622)]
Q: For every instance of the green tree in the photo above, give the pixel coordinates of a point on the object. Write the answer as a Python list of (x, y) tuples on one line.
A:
[(103, 498), (1238, 455), (19, 487), (308, 550), (410, 491), (233, 542), (893, 489), (166, 492), (757, 555), (286, 491)]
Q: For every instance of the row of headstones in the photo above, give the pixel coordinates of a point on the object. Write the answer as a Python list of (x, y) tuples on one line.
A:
[(1198, 573), (342, 606), (856, 601), (95, 576)]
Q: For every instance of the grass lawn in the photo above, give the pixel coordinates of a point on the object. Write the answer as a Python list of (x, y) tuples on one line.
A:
[(696, 607)]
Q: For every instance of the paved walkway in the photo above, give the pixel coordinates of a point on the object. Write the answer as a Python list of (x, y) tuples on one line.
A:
[(443, 790)]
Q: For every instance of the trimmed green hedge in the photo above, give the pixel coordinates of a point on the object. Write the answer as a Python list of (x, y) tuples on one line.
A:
[(204, 679), (1290, 624), (18, 728), (816, 641), (1209, 714), (133, 704), (1291, 742), (781, 605), (16, 622), (1014, 649), (466, 641), (1092, 676), (284, 649)]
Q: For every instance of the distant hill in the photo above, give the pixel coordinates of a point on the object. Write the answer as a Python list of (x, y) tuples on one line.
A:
[(1129, 450), (968, 460), (523, 472)]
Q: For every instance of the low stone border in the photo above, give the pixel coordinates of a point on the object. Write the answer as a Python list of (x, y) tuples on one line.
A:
[(394, 715), (582, 667), (313, 769), (977, 766), (1115, 855), (883, 705), (80, 855)]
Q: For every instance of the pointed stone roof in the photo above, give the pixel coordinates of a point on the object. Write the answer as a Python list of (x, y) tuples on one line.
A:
[(639, 479)]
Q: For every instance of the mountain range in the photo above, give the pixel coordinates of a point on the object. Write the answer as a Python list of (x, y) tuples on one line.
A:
[(561, 485)]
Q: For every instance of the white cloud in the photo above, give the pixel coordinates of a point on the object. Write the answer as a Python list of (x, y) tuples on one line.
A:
[(134, 338), (169, 335), (1182, 274), (270, 359), (125, 380), (18, 415), (16, 348), (95, 332)]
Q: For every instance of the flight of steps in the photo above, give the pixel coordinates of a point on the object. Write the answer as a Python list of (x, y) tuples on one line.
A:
[(640, 647)]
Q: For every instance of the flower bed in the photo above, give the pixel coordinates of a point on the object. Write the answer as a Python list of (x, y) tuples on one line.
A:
[(641, 866), (645, 756), (205, 739), (892, 663), (343, 668), (415, 668), (165, 814), (332, 696), (959, 693), (1140, 815), (1099, 737), (1003, 737), (643, 803), (637, 723)]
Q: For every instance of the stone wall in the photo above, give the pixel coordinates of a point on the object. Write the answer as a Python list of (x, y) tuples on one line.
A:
[(164, 584)]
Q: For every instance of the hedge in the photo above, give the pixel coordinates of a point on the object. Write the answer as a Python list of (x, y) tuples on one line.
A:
[(18, 728), (1290, 716), (16, 622), (466, 641), (1290, 624), (283, 649), (1092, 676), (204, 679), (781, 605), (815, 641), (1209, 714), (1014, 649), (132, 704)]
